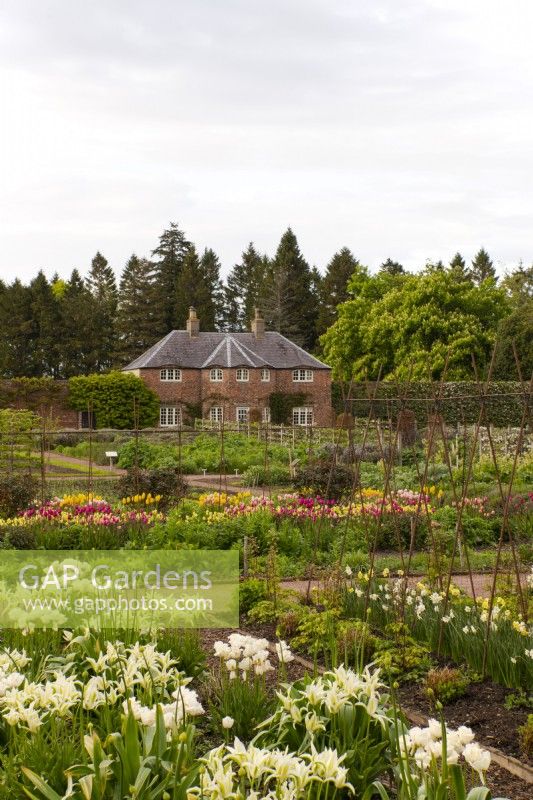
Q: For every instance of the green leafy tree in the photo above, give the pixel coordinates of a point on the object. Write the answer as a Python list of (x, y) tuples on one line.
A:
[(459, 269), (412, 327), (102, 286), (243, 289), (333, 289), (482, 267), (169, 257), (288, 302), (136, 322), (117, 399), (515, 332)]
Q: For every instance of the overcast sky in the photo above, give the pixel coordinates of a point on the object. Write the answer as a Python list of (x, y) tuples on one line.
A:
[(395, 127)]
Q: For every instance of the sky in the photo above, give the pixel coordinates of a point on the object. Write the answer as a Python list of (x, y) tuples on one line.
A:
[(396, 128)]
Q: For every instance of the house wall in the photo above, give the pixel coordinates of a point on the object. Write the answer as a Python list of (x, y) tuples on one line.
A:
[(196, 388)]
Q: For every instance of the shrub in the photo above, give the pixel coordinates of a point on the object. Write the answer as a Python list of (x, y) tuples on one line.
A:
[(251, 592), (325, 478), (16, 493), (114, 399), (274, 475), (525, 736), (165, 482), (446, 684)]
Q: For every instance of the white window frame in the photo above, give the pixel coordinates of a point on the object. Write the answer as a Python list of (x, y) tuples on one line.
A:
[(216, 375), (244, 412), (302, 375), (170, 374), (242, 375), (170, 416), (216, 414), (265, 414), (302, 416), (265, 375)]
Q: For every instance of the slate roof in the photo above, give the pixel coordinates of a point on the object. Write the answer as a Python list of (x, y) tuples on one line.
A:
[(178, 349)]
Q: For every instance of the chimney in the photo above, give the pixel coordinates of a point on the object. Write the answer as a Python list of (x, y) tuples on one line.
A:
[(258, 325), (193, 323)]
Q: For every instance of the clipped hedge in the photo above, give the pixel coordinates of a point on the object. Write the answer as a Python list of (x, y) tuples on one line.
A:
[(460, 403), (113, 397)]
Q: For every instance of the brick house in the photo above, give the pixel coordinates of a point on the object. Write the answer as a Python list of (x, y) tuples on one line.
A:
[(231, 376)]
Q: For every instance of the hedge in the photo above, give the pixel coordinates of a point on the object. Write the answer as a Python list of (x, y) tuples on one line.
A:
[(460, 404), (113, 397)]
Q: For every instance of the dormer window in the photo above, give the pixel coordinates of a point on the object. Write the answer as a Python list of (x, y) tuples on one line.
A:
[(265, 375), (216, 375), (170, 374), (302, 375), (243, 375)]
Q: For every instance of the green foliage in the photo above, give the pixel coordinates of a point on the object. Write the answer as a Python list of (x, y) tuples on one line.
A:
[(165, 482), (281, 405), (16, 493), (273, 475), (446, 684), (411, 325), (115, 398), (325, 478), (400, 656), (251, 592), (525, 737)]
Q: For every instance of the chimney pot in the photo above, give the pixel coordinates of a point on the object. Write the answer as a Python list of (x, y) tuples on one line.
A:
[(193, 323), (258, 325)]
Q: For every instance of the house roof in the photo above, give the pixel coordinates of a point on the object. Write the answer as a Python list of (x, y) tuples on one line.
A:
[(178, 349)]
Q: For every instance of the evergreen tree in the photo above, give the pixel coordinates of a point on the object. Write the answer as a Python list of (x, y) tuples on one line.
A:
[(199, 286), (392, 267), (170, 254), (77, 343), (458, 268), (287, 299), (17, 347), (136, 322), (45, 327), (482, 267), (243, 289), (102, 286), (334, 287)]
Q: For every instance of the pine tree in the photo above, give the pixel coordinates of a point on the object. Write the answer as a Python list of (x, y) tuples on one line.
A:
[(243, 289), (199, 286), (16, 331), (45, 328), (482, 267), (170, 254), (334, 287), (103, 289), (287, 299), (392, 267), (459, 269), (78, 342), (136, 323)]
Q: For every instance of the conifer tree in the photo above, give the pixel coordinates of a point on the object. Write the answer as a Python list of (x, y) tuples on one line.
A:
[(102, 286), (243, 289), (482, 267), (392, 267), (45, 327), (459, 269), (288, 302), (16, 331), (136, 324), (199, 286), (169, 254), (77, 344), (334, 287)]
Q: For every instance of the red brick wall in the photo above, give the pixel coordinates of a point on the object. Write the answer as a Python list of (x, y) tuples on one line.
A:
[(53, 406), (196, 387)]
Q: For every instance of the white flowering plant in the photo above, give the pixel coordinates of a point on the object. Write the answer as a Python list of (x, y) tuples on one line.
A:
[(342, 711)]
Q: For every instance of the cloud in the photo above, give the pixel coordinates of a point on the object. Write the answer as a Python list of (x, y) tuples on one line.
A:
[(397, 128)]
